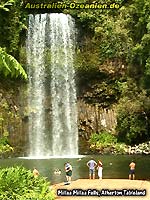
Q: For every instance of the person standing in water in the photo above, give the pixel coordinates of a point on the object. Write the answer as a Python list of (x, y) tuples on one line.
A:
[(100, 169), (91, 165), (68, 170), (132, 170)]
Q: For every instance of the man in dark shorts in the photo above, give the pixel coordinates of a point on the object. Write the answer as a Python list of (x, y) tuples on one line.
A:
[(68, 170), (132, 170)]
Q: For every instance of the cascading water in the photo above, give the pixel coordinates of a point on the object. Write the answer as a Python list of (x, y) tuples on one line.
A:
[(35, 60), (53, 33)]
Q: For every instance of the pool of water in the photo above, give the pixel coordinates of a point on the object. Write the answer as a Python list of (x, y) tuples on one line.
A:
[(114, 166)]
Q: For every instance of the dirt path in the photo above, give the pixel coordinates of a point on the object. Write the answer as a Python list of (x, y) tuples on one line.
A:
[(103, 189)]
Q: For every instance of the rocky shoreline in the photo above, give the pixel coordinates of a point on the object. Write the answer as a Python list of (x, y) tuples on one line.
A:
[(143, 148)]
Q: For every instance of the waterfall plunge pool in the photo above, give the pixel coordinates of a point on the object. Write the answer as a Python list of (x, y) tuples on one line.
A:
[(114, 166)]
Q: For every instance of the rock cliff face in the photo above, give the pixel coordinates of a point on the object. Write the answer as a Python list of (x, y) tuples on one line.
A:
[(14, 118), (11, 124), (92, 119)]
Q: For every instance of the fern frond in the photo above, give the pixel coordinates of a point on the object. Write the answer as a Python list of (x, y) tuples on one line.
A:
[(10, 66)]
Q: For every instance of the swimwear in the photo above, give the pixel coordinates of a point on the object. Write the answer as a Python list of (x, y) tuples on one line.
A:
[(132, 171), (69, 173)]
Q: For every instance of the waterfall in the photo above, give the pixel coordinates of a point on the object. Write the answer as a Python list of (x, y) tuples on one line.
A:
[(50, 58), (35, 61)]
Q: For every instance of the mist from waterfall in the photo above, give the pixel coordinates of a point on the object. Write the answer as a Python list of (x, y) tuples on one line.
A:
[(52, 108)]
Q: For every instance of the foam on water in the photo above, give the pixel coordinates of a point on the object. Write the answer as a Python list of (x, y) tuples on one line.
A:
[(51, 157)]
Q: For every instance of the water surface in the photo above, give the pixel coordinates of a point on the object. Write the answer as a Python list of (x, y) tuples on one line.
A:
[(113, 166)]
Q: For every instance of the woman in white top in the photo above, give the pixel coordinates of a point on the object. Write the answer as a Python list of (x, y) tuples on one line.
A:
[(100, 169)]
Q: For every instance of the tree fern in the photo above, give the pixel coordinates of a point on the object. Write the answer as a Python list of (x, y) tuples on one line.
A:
[(9, 66)]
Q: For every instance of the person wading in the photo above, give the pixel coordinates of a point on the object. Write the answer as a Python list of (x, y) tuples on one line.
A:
[(100, 168), (68, 170), (132, 170), (91, 165)]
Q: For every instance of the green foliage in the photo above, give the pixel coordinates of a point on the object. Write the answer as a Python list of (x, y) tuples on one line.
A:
[(102, 139), (112, 38), (139, 11), (131, 128), (115, 45), (4, 144), (110, 35), (5, 5), (133, 124), (5, 147), (103, 53), (105, 142), (12, 25), (10, 67), (19, 183), (120, 148)]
